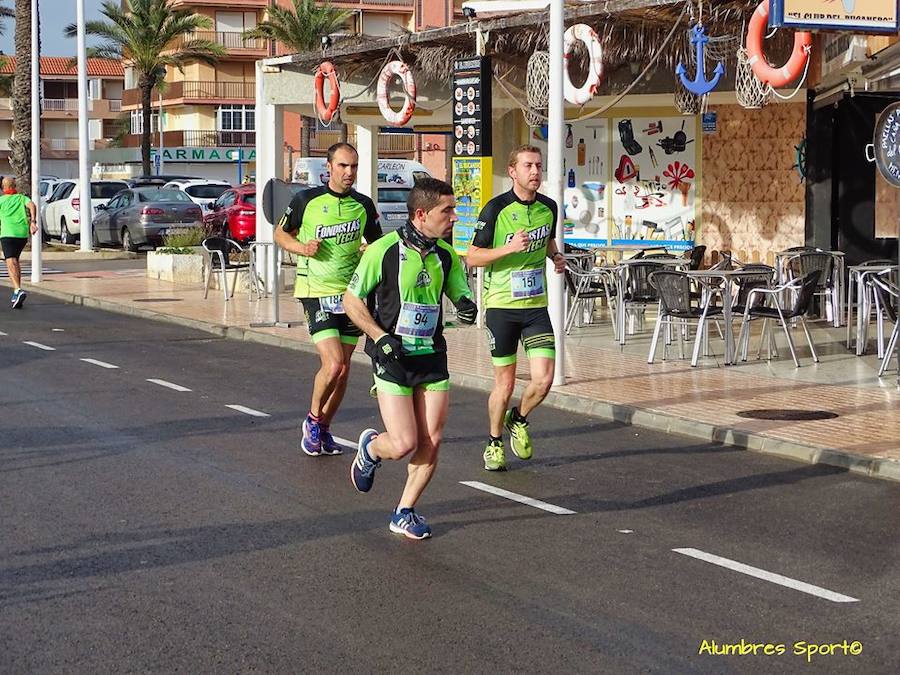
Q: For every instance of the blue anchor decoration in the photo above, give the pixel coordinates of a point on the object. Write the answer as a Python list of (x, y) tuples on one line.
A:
[(700, 85)]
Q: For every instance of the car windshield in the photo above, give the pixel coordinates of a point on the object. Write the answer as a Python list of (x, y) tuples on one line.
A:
[(393, 195), (206, 191), (249, 198), (105, 190), (163, 196)]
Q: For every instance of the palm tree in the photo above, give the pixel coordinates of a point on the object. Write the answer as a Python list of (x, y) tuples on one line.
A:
[(150, 35), (20, 143), (301, 29)]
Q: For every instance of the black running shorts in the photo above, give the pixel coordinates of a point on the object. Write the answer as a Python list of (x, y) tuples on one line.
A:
[(323, 324), (13, 246), (506, 327)]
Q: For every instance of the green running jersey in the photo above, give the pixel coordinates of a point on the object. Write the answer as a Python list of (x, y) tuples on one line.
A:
[(518, 280), (408, 289), (340, 221)]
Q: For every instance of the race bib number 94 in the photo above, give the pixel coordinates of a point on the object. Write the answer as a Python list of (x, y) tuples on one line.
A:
[(417, 321)]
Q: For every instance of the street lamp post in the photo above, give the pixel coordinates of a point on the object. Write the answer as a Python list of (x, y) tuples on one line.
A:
[(555, 141), (84, 164), (36, 260)]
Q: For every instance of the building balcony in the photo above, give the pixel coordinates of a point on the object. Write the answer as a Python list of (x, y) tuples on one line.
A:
[(195, 91), (193, 138), (234, 42), (230, 4), (405, 5), (389, 145)]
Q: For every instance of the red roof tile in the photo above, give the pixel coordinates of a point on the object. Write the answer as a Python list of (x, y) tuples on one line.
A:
[(58, 65)]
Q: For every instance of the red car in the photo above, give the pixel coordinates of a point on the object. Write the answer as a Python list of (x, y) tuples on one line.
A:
[(234, 213)]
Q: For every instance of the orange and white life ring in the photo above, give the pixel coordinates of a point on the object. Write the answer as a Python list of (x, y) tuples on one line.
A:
[(790, 71), (401, 70), (326, 70), (584, 93)]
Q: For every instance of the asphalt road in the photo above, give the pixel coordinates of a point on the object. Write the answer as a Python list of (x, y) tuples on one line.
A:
[(154, 530)]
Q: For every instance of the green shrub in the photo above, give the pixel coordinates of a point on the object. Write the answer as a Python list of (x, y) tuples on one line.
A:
[(182, 238), (177, 250)]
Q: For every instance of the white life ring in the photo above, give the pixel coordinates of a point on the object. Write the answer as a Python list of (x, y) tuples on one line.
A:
[(584, 93), (401, 70)]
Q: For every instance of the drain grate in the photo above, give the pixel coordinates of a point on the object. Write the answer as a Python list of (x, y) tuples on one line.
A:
[(157, 300), (787, 414)]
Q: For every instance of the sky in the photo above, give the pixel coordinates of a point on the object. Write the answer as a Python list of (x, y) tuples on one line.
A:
[(55, 15)]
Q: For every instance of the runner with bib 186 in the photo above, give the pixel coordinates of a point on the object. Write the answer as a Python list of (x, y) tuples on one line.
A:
[(407, 272), (513, 237), (325, 226)]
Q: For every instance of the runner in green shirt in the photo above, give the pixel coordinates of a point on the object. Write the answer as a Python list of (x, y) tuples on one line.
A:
[(18, 218), (407, 272), (325, 227), (514, 236)]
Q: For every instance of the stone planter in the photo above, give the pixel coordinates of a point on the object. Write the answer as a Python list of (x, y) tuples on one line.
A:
[(179, 268)]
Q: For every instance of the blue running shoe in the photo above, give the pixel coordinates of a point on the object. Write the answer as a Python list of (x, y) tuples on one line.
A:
[(362, 470), (408, 523), (329, 446), (311, 443), (18, 299)]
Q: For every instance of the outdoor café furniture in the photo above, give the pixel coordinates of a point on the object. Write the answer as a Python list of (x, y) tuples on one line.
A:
[(633, 287), (888, 294), (678, 303), (695, 255), (805, 262), (860, 296), (219, 251), (803, 288), (587, 284), (836, 281)]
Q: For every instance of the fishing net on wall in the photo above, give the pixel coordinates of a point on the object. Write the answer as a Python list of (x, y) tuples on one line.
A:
[(750, 92), (537, 88)]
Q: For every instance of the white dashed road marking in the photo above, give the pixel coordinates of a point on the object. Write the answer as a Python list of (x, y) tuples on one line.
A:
[(102, 364), (58, 330), (2, 334), (522, 499), (801, 586), (39, 346), (248, 411), (345, 442), (170, 385)]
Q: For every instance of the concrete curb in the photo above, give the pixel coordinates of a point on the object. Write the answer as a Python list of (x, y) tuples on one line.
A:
[(78, 256), (873, 467)]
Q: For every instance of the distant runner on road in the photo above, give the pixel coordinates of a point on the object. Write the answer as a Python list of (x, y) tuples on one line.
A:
[(18, 219), (325, 226), (407, 272), (513, 236)]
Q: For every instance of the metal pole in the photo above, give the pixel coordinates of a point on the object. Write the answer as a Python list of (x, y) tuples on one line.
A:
[(84, 165), (555, 140), (36, 243), (162, 142)]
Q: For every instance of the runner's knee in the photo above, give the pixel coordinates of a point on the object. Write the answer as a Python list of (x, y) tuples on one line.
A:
[(334, 370), (401, 445), (542, 382)]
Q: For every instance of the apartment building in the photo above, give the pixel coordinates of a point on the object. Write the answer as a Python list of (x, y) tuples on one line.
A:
[(208, 116), (59, 112)]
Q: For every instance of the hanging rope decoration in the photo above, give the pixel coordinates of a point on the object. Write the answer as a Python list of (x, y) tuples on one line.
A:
[(750, 91), (537, 87), (391, 70), (772, 76), (686, 102), (584, 33), (325, 71)]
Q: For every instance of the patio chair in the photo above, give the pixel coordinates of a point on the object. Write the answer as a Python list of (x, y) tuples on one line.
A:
[(676, 302), (803, 287), (757, 275), (817, 260), (871, 304), (696, 256), (886, 295), (219, 251), (639, 292), (585, 288)]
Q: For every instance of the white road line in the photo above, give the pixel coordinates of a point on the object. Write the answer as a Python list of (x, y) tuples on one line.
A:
[(58, 330), (248, 411), (102, 364), (801, 586), (39, 346), (170, 385), (522, 499), (2, 334), (345, 442)]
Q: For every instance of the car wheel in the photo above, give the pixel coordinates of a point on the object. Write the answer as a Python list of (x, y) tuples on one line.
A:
[(65, 237), (127, 241), (95, 242)]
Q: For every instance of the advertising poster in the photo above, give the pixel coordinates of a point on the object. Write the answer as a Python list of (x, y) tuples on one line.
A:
[(654, 181), (472, 185), (586, 175), (860, 16)]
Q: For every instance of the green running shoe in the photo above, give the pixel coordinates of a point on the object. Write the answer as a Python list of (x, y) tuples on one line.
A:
[(519, 440), (494, 459)]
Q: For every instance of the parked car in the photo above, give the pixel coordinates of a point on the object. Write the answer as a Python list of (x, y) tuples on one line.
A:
[(141, 216), (234, 213), (138, 181), (61, 213), (200, 190), (392, 206)]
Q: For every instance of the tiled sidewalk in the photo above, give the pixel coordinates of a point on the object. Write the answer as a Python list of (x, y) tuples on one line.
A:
[(704, 402)]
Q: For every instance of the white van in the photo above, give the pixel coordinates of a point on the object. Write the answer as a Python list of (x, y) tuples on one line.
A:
[(395, 179)]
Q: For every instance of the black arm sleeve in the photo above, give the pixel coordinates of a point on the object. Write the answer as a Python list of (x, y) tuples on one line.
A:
[(293, 216), (372, 230), (550, 204), (487, 222)]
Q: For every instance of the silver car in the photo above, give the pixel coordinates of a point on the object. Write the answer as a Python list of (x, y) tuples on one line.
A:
[(392, 207), (141, 216)]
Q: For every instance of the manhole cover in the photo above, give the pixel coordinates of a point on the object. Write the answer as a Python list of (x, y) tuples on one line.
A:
[(157, 300), (787, 415)]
